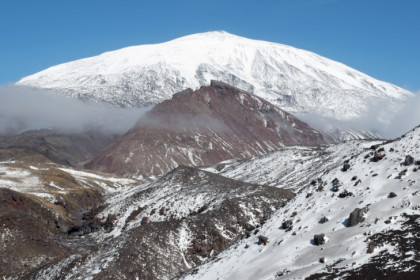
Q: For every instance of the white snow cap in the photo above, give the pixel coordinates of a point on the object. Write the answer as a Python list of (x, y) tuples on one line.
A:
[(297, 80)]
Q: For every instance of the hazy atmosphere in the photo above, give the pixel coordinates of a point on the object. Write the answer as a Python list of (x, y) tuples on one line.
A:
[(24, 108), (387, 120)]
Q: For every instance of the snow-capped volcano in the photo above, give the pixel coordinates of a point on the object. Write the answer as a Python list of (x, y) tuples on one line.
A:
[(298, 81)]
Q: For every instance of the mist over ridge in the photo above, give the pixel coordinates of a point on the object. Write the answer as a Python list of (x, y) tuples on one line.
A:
[(25, 108), (384, 119)]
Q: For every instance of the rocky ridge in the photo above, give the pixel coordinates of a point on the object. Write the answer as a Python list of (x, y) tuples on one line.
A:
[(203, 127)]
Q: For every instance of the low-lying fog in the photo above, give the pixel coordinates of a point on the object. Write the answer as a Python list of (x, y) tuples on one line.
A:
[(23, 108), (385, 119)]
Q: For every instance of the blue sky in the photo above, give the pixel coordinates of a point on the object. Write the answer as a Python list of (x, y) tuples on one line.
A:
[(378, 37)]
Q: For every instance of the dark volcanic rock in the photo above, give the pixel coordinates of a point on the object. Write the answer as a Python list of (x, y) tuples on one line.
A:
[(323, 220), (356, 217), (204, 127), (262, 240), (357, 182), (319, 239), (336, 185), (378, 156), (392, 194), (346, 167), (409, 160), (344, 194), (287, 225), (402, 173)]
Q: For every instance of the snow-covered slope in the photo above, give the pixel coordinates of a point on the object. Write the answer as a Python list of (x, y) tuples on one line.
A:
[(355, 215), (164, 228), (297, 80), (51, 181), (289, 167), (381, 238)]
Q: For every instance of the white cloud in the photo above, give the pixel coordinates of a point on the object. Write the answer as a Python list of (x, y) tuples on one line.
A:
[(387, 119), (23, 108)]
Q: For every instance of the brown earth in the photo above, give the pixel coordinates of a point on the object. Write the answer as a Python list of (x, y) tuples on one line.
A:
[(203, 127), (71, 149)]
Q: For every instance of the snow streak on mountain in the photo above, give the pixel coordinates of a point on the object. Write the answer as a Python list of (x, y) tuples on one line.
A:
[(297, 80)]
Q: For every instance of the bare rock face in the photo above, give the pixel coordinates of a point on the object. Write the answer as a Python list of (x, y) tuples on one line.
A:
[(203, 127), (27, 234)]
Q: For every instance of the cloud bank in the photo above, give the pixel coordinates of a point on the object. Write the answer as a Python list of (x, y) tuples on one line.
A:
[(24, 108), (388, 120)]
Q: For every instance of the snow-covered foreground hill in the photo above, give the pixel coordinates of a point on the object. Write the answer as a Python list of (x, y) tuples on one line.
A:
[(314, 236), (355, 214), (161, 229), (298, 81), (290, 167)]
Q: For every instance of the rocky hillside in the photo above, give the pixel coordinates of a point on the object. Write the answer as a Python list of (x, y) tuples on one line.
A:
[(356, 217), (354, 214), (202, 127), (42, 207), (151, 231), (69, 148)]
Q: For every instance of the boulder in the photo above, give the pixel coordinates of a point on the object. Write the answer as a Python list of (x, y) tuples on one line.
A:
[(336, 185), (344, 194), (319, 239), (262, 240), (356, 217), (409, 160), (378, 156), (287, 225), (402, 173), (323, 220), (392, 194), (346, 167)]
